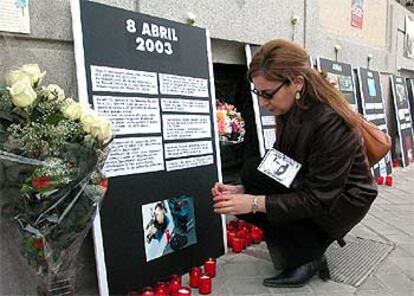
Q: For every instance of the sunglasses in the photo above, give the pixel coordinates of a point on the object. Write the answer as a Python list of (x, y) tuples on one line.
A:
[(268, 95)]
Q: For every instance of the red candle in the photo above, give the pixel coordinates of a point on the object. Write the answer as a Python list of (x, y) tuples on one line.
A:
[(174, 285), (184, 291), (210, 267), (230, 227), (380, 180), (204, 284), (395, 163), (230, 236), (147, 292), (388, 181), (176, 277), (161, 289), (195, 276), (233, 224), (241, 224), (237, 245)]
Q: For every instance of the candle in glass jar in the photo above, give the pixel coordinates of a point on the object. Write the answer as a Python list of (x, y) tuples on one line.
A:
[(210, 267), (147, 292), (184, 291), (174, 286), (204, 284), (237, 245), (161, 290), (195, 276), (176, 277)]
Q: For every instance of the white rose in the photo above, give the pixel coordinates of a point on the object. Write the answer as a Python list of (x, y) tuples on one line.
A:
[(54, 92), (33, 71), (89, 120), (102, 131), (22, 94), (16, 75), (71, 109)]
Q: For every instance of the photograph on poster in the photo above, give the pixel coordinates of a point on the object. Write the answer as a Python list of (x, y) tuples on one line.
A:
[(371, 88), (130, 115), (345, 83), (169, 226), (123, 80), (400, 93)]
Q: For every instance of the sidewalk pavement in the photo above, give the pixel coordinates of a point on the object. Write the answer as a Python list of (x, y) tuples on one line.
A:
[(390, 219)]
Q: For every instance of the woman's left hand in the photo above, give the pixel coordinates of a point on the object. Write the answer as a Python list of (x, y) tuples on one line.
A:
[(234, 204)]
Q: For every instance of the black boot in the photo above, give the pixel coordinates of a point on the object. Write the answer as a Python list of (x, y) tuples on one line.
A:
[(299, 276)]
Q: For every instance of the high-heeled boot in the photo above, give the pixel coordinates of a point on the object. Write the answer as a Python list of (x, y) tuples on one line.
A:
[(299, 276)]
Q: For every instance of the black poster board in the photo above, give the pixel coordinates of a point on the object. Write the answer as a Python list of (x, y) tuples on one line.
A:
[(372, 105), (403, 118), (153, 79), (341, 75), (265, 120), (410, 89)]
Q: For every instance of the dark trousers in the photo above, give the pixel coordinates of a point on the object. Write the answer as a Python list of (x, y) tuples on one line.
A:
[(290, 244)]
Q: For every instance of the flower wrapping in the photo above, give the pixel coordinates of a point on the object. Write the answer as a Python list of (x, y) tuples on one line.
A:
[(52, 150), (230, 123)]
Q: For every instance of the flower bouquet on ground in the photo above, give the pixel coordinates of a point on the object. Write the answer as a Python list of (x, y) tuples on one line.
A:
[(51, 152), (230, 124)]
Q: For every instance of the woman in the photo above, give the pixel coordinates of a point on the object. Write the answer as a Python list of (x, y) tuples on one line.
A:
[(333, 188)]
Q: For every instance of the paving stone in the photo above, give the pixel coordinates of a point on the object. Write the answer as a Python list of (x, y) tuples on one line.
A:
[(250, 286)]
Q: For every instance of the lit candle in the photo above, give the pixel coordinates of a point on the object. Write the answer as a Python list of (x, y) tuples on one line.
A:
[(388, 181), (257, 234), (204, 284), (380, 180), (241, 224), (210, 267), (147, 292), (176, 277), (184, 291), (230, 236), (195, 276), (174, 285), (237, 245), (161, 290)]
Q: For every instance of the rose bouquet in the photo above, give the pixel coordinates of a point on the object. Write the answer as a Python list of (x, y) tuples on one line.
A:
[(51, 152), (230, 123)]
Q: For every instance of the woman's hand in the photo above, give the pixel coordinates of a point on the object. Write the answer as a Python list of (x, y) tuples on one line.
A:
[(220, 188), (234, 204)]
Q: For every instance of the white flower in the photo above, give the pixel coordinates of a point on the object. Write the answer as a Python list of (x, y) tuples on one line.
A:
[(16, 75), (54, 92), (102, 131), (22, 93), (88, 120), (33, 71), (71, 109)]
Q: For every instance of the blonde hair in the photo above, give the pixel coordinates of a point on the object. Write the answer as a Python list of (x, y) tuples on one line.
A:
[(282, 60)]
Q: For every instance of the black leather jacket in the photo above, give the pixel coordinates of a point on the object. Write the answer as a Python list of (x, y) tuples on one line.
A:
[(334, 186)]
